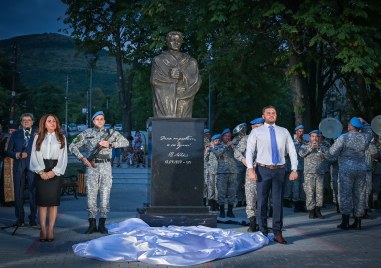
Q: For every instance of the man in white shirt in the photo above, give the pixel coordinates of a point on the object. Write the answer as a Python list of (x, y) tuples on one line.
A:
[(269, 143)]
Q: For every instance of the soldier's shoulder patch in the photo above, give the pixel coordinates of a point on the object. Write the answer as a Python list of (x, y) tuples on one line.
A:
[(76, 139)]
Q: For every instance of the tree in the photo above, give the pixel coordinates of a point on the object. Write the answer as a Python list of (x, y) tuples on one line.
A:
[(111, 25)]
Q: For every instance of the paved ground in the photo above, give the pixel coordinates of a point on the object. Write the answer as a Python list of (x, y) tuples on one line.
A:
[(312, 243)]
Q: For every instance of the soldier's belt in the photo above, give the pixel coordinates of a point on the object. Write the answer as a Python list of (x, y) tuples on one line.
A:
[(270, 166), (101, 160)]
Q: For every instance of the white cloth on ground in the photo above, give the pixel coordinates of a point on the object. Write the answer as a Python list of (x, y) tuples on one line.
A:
[(134, 240)]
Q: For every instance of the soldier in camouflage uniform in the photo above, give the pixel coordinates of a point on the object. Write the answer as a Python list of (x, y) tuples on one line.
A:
[(98, 176), (350, 149), (207, 135), (294, 189), (211, 160), (226, 173), (239, 133), (314, 156), (334, 172), (250, 185), (370, 154)]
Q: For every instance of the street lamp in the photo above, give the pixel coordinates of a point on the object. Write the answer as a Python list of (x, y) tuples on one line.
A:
[(91, 60)]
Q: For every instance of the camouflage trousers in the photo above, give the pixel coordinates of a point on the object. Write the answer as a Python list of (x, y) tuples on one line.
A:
[(334, 187), (98, 179), (205, 186), (240, 192), (352, 192), (293, 190), (212, 191), (226, 185), (314, 189), (251, 196), (368, 188)]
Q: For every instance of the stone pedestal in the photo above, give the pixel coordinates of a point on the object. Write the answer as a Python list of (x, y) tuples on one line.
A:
[(177, 176)]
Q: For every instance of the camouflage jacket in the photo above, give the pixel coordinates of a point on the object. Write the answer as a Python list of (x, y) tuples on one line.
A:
[(88, 140), (225, 158), (314, 158), (350, 149)]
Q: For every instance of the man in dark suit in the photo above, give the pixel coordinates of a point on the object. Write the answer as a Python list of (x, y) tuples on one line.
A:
[(269, 144), (19, 148)]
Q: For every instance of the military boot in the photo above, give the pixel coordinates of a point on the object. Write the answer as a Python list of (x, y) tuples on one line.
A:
[(222, 211), (101, 226), (344, 222), (253, 227), (230, 211), (356, 224), (92, 226), (318, 213), (312, 214)]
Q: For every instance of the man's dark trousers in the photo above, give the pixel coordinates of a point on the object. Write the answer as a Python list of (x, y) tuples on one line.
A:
[(270, 179), (21, 175)]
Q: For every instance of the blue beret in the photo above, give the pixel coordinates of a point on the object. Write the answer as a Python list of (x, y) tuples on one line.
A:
[(299, 127), (356, 122), (226, 130), (96, 114), (306, 137), (259, 120), (216, 136), (207, 131), (314, 131)]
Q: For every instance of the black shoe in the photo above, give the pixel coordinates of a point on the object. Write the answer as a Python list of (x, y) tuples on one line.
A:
[(265, 231), (318, 213), (230, 214), (20, 223), (32, 223), (312, 214), (101, 226), (344, 222), (253, 227), (356, 224), (287, 203), (222, 211), (92, 226)]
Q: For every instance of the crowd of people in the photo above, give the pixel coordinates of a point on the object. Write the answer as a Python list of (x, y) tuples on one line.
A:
[(36, 159), (268, 169), (264, 170)]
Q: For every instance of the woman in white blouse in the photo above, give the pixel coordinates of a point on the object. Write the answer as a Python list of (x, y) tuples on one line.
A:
[(48, 160)]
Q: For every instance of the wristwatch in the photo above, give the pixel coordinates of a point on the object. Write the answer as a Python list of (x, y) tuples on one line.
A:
[(294, 170)]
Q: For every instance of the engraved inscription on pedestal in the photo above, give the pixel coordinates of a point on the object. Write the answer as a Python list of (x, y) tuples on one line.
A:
[(177, 162)]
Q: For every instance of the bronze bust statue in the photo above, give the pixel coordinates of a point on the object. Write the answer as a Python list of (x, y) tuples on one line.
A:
[(175, 80)]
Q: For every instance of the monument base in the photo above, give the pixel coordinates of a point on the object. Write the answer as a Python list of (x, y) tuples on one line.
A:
[(179, 216), (177, 174)]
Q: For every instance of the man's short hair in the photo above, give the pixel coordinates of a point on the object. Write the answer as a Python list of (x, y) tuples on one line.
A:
[(27, 115), (268, 107)]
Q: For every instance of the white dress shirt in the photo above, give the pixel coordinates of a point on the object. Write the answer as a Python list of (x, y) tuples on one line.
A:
[(259, 143), (50, 149)]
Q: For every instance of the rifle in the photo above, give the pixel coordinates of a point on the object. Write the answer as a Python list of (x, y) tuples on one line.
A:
[(97, 149)]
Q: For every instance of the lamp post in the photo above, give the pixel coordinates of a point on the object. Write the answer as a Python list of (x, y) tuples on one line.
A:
[(66, 100), (91, 60)]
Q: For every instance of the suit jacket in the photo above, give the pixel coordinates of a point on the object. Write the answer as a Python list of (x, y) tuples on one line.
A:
[(17, 145)]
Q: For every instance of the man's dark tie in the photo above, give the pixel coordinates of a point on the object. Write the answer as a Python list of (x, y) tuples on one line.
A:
[(274, 147)]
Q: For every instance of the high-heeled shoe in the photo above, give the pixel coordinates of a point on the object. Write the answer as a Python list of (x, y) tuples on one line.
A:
[(42, 237), (49, 240)]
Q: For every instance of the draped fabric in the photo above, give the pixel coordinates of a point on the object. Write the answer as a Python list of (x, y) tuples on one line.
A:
[(134, 240)]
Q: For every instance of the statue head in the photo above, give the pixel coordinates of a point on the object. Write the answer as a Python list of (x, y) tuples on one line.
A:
[(174, 40)]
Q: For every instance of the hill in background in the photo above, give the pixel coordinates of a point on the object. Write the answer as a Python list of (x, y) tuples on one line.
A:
[(50, 57)]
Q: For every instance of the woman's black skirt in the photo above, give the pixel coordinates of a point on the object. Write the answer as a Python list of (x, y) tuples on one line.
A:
[(48, 192)]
